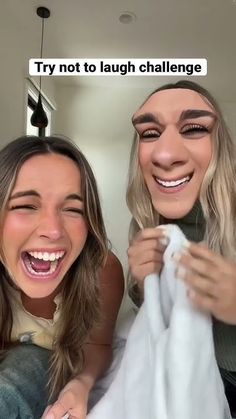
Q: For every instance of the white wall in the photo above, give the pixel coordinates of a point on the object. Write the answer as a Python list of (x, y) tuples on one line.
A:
[(229, 112)]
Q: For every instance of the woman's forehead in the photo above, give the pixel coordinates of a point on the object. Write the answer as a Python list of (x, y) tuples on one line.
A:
[(172, 100), (45, 171)]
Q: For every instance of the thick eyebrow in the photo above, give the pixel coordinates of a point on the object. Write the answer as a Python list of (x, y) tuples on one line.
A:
[(187, 114), (32, 192), (145, 118), (74, 196), (20, 194), (195, 113)]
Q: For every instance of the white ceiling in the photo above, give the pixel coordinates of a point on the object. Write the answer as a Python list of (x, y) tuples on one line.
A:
[(163, 29)]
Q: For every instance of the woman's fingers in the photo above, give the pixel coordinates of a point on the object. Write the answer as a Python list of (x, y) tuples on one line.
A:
[(210, 279), (201, 301), (202, 267), (145, 253), (199, 283)]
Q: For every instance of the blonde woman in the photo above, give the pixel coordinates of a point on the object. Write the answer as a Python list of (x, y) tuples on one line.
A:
[(60, 286), (182, 171)]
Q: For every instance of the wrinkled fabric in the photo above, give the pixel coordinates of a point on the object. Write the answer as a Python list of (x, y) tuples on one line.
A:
[(23, 379), (168, 370)]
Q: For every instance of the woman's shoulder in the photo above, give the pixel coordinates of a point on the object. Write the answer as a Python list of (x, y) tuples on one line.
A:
[(111, 280), (111, 275), (112, 262)]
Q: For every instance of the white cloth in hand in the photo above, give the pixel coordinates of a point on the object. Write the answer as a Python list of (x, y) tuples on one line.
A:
[(168, 370)]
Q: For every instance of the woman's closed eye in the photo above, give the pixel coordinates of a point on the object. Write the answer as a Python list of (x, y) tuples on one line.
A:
[(149, 135), (22, 207), (194, 130), (74, 211)]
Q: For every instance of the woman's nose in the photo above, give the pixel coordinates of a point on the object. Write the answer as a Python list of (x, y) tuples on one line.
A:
[(51, 225), (169, 150)]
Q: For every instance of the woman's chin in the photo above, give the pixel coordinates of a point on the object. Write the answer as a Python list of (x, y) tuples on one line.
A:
[(35, 294), (174, 211)]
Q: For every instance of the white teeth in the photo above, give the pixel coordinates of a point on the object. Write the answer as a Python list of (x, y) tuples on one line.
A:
[(172, 183), (47, 256), (53, 267)]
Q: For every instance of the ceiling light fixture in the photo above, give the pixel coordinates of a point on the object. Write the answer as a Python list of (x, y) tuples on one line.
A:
[(127, 17), (39, 118)]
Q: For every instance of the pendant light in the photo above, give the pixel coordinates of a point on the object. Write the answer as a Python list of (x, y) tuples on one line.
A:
[(39, 118)]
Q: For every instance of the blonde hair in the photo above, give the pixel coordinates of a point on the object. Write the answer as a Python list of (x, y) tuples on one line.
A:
[(80, 291), (218, 189)]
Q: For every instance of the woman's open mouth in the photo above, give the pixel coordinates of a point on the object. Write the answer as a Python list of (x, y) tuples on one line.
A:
[(173, 185), (42, 264)]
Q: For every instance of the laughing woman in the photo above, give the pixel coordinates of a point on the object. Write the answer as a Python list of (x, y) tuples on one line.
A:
[(60, 286), (183, 171)]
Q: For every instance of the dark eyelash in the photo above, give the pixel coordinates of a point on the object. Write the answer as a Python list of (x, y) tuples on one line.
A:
[(149, 134), (15, 207), (76, 210), (194, 128)]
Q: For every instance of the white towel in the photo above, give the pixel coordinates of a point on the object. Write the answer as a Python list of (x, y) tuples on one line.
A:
[(168, 370)]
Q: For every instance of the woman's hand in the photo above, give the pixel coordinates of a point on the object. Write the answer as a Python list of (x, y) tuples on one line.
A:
[(146, 253), (211, 280), (72, 400)]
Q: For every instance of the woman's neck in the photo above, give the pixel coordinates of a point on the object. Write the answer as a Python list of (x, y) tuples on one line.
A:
[(192, 224)]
